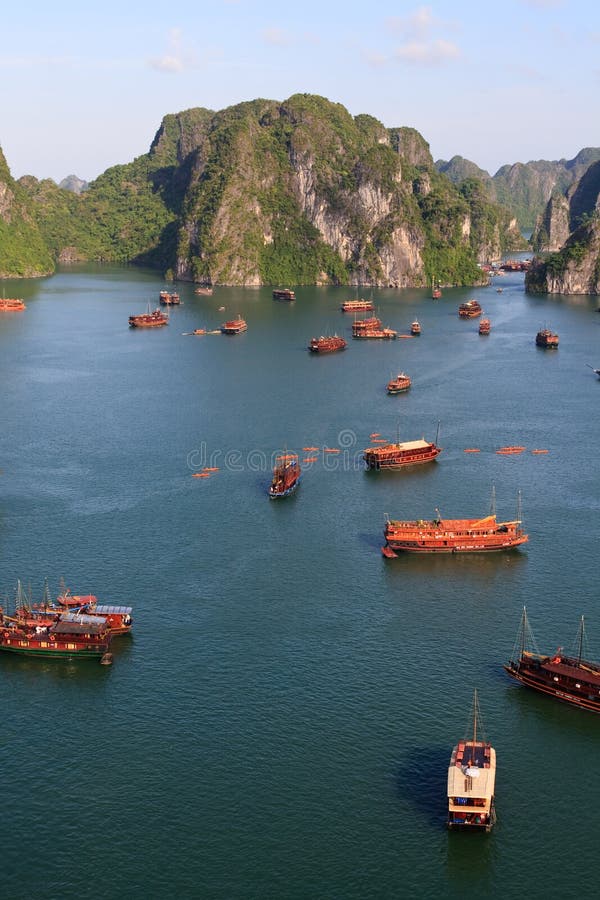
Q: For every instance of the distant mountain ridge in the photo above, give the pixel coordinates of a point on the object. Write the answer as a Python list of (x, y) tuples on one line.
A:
[(73, 183), (524, 188)]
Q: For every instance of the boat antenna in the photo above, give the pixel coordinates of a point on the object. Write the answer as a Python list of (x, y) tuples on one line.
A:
[(493, 501)]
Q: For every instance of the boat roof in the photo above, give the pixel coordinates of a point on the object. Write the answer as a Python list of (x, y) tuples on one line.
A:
[(106, 610), (95, 625), (582, 672), (479, 785), (421, 444)]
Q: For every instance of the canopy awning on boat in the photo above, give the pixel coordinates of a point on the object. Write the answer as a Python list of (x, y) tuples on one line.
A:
[(461, 784), (105, 610)]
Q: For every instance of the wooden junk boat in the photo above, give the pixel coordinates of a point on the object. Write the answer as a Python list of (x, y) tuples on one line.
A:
[(451, 535), (546, 338), (286, 476), (372, 328), (471, 780), (396, 456), (571, 678), (327, 344), (118, 618), (284, 294), (399, 384), (415, 328), (436, 291), (470, 309), (66, 635), (356, 305), (485, 326), (149, 319), (234, 326), (11, 304), (169, 299)]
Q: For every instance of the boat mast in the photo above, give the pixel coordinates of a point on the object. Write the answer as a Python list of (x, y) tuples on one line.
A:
[(519, 507), (474, 717), (437, 434), (493, 501), (580, 651)]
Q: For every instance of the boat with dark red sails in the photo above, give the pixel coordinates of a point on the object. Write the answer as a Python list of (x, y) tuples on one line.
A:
[(358, 305), (399, 384), (286, 476), (400, 454), (169, 298), (485, 326), (234, 326), (11, 304), (439, 535), (472, 779), (327, 344), (570, 677), (546, 338), (154, 319), (470, 309), (284, 294)]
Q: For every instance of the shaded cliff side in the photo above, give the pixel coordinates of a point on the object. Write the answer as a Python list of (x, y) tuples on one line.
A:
[(574, 217), (23, 250)]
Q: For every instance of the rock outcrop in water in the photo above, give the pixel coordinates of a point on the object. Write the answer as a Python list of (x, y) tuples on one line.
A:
[(574, 218), (268, 193)]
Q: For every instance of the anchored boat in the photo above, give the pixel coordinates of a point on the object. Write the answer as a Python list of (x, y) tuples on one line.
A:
[(356, 305), (149, 319), (398, 385), (234, 326), (327, 344), (285, 294), (471, 780), (546, 338), (568, 677), (398, 455), (469, 310)]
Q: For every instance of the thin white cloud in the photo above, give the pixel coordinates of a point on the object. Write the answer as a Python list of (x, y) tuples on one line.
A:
[(173, 60), (427, 53), (415, 26), (374, 58)]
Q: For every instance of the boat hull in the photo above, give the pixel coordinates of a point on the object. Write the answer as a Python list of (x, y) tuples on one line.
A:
[(278, 495), (409, 547), (545, 686)]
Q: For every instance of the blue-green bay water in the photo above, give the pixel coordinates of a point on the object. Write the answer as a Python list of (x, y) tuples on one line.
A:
[(280, 722)]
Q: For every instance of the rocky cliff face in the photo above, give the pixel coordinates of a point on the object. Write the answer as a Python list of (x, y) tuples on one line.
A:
[(574, 217)]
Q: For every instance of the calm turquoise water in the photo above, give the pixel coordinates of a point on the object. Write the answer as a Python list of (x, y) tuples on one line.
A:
[(280, 723)]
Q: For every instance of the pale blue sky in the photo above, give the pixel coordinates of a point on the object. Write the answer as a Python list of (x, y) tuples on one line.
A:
[(85, 87)]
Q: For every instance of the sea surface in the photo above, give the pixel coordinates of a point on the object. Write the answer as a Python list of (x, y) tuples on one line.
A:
[(279, 723)]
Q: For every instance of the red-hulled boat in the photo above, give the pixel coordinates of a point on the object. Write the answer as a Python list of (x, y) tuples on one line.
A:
[(327, 344), (286, 476), (546, 338), (284, 294), (567, 677), (399, 384), (118, 618), (485, 326), (154, 319), (452, 535), (11, 304), (68, 636), (234, 326), (469, 310), (169, 299), (396, 456), (357, 305), (436, 291), (371, 328)]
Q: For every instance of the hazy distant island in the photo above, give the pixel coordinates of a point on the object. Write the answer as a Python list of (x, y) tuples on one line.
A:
[(269, 192)]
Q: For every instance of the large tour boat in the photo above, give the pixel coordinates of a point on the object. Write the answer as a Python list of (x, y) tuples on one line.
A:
[(284, 294), (168, 298), (399, 384), (546, 338), (328, 344), (357, 305), (234, 326), (69, 635), (286, 476), (400, 454), (11, 304), (118, 618), (452, 535), (568, 677), (372, 328), (149, 319), (471, 780), (470, 309)]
